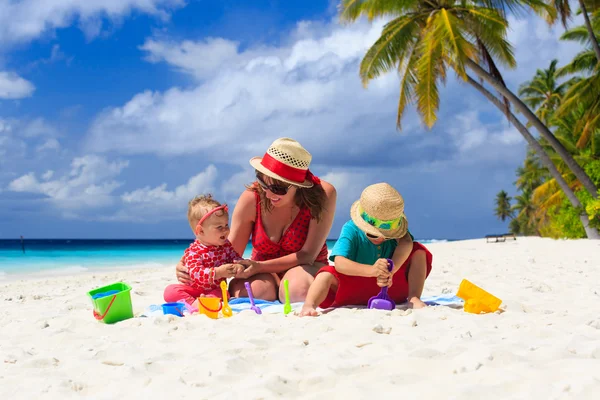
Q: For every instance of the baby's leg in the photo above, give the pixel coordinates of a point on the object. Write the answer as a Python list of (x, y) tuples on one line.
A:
[(317, 292), (178, 292)]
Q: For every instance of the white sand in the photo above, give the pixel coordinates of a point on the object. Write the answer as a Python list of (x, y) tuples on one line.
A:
[(546, 345)]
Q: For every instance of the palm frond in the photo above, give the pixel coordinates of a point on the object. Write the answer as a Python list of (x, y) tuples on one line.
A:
[(388, 49)]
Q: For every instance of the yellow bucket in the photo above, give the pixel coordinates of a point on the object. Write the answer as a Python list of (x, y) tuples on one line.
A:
[(476, 299), (210, 306)]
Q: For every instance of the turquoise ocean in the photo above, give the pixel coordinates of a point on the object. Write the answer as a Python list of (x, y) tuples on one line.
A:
[(71, 256)]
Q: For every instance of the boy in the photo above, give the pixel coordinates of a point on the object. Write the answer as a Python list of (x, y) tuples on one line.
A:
[(377, 231)]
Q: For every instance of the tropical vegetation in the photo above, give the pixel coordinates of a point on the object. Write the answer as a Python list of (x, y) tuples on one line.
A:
[(423, 40)]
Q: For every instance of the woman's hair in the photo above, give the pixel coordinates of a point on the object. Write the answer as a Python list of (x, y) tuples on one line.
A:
[(312, 198)]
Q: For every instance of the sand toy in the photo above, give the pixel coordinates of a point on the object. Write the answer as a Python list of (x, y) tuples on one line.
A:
[(226, 310), (112, 303), (210, 306), (382, 301), (253, 307), (476, 299), (287, 308), (173, 308)]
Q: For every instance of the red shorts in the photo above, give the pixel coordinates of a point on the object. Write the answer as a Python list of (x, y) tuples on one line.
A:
[(357, 290)]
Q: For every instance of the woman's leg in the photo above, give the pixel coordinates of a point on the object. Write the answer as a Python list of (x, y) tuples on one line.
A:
[(264, 287), (300, 279)]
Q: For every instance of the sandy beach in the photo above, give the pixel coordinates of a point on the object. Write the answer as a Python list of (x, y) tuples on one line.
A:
[(545, 345)]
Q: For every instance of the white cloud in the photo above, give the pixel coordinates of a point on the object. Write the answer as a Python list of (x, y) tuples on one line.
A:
[(29, 19), (198, 184), (88, 184), (49, 144), (48, 175), (13, 86), (297, 90)]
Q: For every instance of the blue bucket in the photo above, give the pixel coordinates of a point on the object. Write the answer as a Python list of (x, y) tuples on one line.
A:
[(173, 308)]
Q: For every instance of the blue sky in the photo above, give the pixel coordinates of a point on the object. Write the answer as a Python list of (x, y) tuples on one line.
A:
[(114, 113)]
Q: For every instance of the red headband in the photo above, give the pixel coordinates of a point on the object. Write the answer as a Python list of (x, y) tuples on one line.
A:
[(288, 172), (208, 214)]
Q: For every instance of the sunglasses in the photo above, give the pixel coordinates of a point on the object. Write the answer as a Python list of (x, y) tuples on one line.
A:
[(371, 236), (276, 189)]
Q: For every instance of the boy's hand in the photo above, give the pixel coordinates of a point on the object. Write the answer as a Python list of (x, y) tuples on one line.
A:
[(383, 282), (380, 270)]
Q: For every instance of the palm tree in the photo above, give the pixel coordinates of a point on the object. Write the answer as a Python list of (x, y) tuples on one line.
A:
[(563, 10), (588, 24), (526, 213), (425, 38), (586, 88), (503, 209), (543, 93), (591, 232)]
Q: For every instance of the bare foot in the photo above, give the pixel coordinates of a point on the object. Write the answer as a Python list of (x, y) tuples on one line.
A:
[(308, 311), (416, 303)]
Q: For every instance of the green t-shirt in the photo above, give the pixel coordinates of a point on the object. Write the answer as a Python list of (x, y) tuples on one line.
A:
[(354, 245)]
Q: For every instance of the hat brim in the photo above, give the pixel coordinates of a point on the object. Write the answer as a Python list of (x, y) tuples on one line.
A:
[(367, 228), (255, 162)]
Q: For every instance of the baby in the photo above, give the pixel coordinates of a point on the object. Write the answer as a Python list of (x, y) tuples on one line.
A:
[(210, 258), (377, 231)]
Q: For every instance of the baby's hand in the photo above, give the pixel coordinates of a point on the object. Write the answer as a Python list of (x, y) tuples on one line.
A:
[(225, 271)]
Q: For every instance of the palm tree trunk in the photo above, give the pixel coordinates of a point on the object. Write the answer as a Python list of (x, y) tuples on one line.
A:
[(590, 30), (542, 129), (591, 232)]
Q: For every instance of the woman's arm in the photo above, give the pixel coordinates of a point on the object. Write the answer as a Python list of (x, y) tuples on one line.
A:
[(317, 235)]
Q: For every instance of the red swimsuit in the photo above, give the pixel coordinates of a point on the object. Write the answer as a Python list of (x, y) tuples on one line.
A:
[(291, 241)]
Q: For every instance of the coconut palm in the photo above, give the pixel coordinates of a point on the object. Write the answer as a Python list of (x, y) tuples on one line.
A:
[(529, 169), (585, 90), (426, 38), (503, 208), (526, 213), (544, 93), (563, 10)]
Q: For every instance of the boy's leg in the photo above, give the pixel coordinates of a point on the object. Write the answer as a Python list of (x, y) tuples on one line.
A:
[(317, 292), (417, 272)]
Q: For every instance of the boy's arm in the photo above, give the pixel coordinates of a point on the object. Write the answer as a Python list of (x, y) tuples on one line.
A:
[(348, 267), (402, 252)]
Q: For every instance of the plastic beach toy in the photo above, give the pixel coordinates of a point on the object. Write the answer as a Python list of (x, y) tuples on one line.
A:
[(476, 299), (287, 308), (210, 306), (173, 308), (382, 301), (253, 306), (112, 303), (226, 310)]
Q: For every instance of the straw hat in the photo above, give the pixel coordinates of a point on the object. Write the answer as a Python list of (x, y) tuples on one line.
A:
[(286, 161), (380, 212)]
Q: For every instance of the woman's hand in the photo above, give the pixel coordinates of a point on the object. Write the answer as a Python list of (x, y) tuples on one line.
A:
[(182, 274), (252, 268)]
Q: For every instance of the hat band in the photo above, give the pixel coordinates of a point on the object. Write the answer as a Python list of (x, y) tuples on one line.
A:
[(283, 170), (380, 223)]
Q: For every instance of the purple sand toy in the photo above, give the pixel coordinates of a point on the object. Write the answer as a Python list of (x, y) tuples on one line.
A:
[(253, 307), (382, 301)]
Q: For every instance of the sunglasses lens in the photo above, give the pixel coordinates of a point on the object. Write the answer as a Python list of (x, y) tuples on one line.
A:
[(372, 236), (275, 189)]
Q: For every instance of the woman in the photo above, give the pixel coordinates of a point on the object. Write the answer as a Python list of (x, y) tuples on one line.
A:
[(288, 212)]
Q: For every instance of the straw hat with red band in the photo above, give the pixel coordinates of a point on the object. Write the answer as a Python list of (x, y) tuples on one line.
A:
[(287, 161)]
